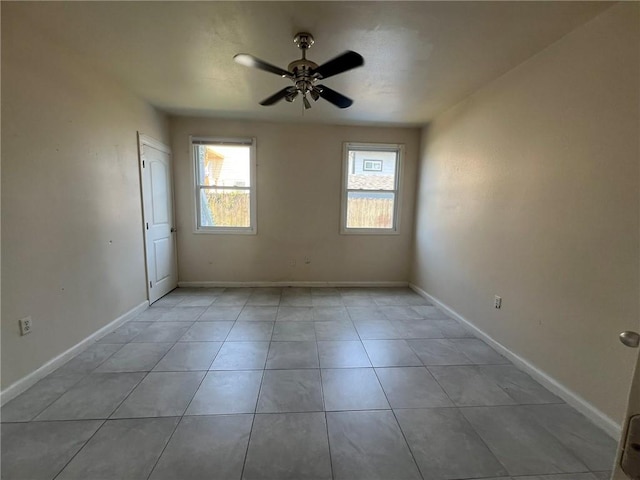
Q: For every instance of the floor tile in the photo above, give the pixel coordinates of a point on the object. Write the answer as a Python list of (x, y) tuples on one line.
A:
[(446, 446), (586, 441), (241, 356), (258, 314), (125, 333), (135, 357), (121, 449), (390, 353), (606, 475), (413, 329), (365, 314), (210, 448), (294, 314), (400, 312), (564, 476), (428, 311), (294, 332), (339, 330), (292, 355), (218, 313), (520, 386), (519, 443), (400, 299), (438, 352), (299, 330), (412, 387), (33, 401), (352, 389), (264, 299), (161, 394), (326, 301), (163, 332), (207, 332), (232, 299), (376, 330), (151, 314), (468, 387), (452, 329), (94, 397), (342, 354), (167, 301), (329, 314), (89, 360), (186, 356), (295, 300), (288, 446), (290, 391), (369, 446), (182, 314), (196, 301), (478, 351), (224, 392), (39, 450), (356, 300), (251, 332)]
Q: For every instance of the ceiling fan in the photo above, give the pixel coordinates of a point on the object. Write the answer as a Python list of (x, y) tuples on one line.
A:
[(305, 74)]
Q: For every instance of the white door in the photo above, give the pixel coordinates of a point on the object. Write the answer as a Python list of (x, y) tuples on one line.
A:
[(157, 195), (628, 459)]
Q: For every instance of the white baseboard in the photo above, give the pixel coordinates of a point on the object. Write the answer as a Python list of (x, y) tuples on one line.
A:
[(293, 284), (610, 426), (31, 379)]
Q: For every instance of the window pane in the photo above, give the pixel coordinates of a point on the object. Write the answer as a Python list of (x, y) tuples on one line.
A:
[(224, 208), (224, 165), (370, 210), (371, 170)]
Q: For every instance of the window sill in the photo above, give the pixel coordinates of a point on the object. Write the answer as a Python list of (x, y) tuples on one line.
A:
[(226, 231), (368, 231)]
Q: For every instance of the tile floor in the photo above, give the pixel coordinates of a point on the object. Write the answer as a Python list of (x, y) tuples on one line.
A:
[(295, 383)]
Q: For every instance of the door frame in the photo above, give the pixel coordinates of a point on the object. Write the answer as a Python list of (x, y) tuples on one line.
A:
[(144, 139)]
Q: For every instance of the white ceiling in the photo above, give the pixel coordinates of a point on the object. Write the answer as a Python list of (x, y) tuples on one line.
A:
[(420, 57)]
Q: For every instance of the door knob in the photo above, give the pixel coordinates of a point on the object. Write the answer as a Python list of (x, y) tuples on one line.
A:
[(630, 339), (174, 229)]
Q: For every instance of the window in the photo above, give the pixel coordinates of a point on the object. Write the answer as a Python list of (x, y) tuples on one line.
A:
[(372, 166), (370, 201), (225, 185)]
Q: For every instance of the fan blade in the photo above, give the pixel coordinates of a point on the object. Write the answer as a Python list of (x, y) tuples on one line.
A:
[(276, 97), (251, 61), (341, 63), (334, 97)]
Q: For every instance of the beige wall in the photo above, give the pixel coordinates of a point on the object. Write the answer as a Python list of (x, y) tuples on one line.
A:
[(72, 245), (298, 188), (529, 190)]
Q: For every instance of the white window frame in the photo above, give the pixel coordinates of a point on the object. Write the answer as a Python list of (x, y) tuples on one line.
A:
[(252, 229), (382, 147)]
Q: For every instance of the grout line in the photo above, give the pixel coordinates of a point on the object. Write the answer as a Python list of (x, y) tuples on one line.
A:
[(165, 445), (80, 449), (253, 420)]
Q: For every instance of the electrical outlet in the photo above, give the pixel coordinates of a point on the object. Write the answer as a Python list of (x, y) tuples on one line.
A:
[(292, 263), (25, 325), (307, 260), (497, 303)]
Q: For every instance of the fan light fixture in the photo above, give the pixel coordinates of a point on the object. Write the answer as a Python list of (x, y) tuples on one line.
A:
[(305, 74)]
